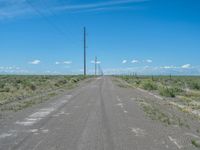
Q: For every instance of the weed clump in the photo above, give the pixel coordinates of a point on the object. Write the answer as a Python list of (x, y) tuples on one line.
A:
[(195, 143), (170, 91), (167, 92), (156, 114), (149, 85), (194, 85)]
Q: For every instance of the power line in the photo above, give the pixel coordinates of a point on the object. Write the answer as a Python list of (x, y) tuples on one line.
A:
[(44, 17), (54, 15), (48, 8), (52, 23)]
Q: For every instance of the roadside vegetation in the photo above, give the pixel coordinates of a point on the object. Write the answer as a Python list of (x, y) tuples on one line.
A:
[(18, 92), (195, 143), (169, 86), (155, 113), (181, 91)]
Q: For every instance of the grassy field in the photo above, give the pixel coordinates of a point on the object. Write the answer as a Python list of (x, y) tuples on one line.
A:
[(181, 91), (18, 92), (168, 86)]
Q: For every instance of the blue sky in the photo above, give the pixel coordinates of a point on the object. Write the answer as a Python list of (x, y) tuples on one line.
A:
[(143, 36)]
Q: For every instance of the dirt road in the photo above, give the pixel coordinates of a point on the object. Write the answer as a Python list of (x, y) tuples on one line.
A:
[(95, 116)]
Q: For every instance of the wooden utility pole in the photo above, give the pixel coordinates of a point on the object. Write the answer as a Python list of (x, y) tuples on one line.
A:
[(85, 51)]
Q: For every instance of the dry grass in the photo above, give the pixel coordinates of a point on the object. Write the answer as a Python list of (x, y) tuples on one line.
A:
[(18, 92)]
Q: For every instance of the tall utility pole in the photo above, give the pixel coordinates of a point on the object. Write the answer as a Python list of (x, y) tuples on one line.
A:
[(95, 66), (85, 51)]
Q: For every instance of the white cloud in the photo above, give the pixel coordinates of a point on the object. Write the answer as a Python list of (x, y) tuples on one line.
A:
[(134, 61), (67, 62), (9, 68), (124, 61), (149, 61), (169, 67), (35, 62), (12, 70), (186, 66), (93, 62), (64, 62), (57, 63)]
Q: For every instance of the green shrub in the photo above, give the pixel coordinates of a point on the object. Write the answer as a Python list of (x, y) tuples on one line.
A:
[(74, 80), (149, 85), (61, 82), (138, 82), (32, 87), (195, 143), (6, 89), (2, 85), (194, 85), (168, 92), (177, 90), (18, 81)]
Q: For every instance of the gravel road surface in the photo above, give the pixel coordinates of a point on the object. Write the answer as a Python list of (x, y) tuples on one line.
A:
[(98, 115)]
